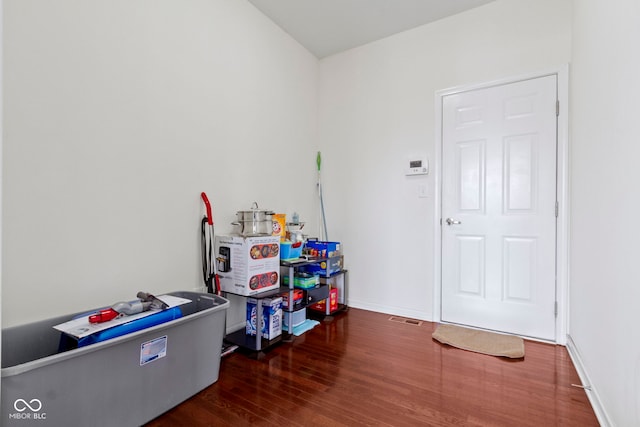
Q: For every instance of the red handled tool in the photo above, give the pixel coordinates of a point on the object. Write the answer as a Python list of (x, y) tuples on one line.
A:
[(209, 272), (103, 316), (145, 302)]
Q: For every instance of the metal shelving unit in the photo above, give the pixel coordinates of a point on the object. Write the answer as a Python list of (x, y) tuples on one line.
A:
[(257, 342), (339, 280), (311, 296)]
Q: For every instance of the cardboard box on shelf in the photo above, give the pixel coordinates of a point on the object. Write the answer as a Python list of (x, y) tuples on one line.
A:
[(271, 317), (248, 265), (333, 302), (322, 248), (297, 298), (325, 268)]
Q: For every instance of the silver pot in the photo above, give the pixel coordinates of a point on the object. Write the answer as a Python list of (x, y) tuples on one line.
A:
[(255, 222)]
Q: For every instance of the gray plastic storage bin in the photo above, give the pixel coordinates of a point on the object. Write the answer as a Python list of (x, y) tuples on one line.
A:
[(111, 383)]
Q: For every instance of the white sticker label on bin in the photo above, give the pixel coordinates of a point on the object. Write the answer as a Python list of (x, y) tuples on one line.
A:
[(153, 350)]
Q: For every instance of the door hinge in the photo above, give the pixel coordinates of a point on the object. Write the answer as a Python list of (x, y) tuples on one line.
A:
[(557, 209), (555, 309), (557, 107)]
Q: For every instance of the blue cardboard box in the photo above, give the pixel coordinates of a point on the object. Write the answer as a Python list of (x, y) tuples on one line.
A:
[(271, 317), (323, 248), (325, 268)]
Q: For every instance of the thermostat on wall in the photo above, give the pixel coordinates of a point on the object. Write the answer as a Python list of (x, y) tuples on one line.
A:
[(417, 166)]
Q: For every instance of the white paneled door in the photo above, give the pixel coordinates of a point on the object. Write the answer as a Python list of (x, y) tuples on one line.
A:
[(499, 208)]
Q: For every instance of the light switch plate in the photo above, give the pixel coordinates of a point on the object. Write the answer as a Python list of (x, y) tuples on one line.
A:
[(422, 191)]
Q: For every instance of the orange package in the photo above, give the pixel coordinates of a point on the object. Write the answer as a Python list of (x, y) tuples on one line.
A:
[(279, 225)]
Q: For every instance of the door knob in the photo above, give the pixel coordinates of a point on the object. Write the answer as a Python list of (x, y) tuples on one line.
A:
[(451, 221)]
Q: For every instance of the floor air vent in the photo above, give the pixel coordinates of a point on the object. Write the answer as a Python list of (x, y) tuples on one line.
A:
[(405, 320)]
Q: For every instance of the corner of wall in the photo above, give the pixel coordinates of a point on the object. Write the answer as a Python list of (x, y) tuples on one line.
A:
[(592, 392)]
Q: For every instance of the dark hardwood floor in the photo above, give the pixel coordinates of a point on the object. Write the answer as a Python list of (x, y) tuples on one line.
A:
[(363, 369)]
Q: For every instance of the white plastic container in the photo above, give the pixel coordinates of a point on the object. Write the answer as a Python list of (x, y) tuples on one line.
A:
[(299, 316)]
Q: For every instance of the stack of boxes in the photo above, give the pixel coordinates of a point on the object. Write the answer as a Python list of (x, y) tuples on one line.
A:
[(302, 283), (271, 317), (333, 265), (248, 266), (251, 265), (329, 250)]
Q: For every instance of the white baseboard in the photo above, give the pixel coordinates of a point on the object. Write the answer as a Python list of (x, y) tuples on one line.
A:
[(590, 389), (235, 327), (395, 311)]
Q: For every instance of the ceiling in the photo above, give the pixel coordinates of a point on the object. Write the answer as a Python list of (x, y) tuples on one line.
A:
[(326, 27)]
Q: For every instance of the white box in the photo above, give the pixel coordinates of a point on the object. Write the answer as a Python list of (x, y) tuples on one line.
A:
[(248, 265), (271, 317)]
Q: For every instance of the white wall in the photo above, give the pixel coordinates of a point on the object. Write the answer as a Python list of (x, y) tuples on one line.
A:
[(605, 293), (377, 109), (1, 145), (117, 115)]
